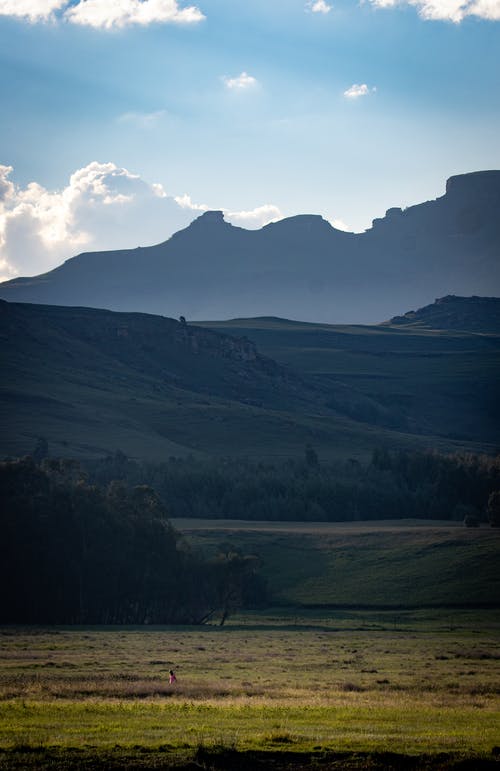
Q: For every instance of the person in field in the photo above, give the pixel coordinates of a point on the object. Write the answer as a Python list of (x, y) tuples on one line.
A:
[(171, 677)]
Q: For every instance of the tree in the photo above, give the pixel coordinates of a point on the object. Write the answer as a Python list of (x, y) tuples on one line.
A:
[(235, 580), (493, 508)]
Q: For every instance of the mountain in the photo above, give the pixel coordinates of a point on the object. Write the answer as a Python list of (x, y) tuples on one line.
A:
[(94, 381), (299, 267), (475, 314)]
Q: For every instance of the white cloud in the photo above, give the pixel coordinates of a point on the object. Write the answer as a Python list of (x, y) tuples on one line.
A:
[(341, 225), (185, 202), (240, 83), (32, 10), (6, 185), (104, 14), (102, 207), (448, 10), (158, 190), (355, 91), (251, 219), (486, 9), (121, 13), (255, 218), (318, 6)]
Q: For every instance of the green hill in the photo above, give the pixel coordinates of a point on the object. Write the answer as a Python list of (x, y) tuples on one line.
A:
[(407, 563), (93, 381), (436, 382)]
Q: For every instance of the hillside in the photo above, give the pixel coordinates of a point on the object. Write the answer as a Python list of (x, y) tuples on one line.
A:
[(92, 382), (384, 564), (474, 314), (439, 381), (299, 267)]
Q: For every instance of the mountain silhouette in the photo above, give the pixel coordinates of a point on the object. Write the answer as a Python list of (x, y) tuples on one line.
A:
[(299, 267)]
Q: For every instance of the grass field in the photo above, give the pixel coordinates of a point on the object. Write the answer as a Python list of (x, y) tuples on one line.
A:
[(342, 682), (291, 687)]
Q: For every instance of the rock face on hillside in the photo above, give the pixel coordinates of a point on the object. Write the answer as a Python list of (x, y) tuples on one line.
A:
[(300, 267), (472, 314)]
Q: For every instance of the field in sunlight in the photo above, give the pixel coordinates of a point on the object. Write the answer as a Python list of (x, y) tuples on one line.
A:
[(410, 683)]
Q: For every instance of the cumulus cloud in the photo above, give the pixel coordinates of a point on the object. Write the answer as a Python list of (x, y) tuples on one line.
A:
[(448, 10), (102, 207), (241, 82), (186, 203), (254, 218), (31, 10), (318, 6), (121, 13), (103, 14), (355, 91)]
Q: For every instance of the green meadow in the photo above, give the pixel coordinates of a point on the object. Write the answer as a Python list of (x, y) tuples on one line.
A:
[(339, 682), (301, 685), (391, 563)]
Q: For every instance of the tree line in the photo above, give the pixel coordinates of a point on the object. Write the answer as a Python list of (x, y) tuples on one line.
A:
[(75, 552), (93, 544), (393, 485)]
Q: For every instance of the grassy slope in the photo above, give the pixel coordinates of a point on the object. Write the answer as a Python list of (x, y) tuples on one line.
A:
[(396, 564), (67, 378), (445, 383)]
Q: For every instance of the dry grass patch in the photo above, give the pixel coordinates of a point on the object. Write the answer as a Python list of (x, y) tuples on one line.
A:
[(352, 682)]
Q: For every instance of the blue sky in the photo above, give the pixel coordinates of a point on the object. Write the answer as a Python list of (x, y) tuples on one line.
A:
[(265, 108)]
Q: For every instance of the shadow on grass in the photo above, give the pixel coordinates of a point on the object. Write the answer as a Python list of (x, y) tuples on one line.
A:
[(223, 759)]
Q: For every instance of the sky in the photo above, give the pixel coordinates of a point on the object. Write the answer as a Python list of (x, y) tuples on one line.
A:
[(122, 120)]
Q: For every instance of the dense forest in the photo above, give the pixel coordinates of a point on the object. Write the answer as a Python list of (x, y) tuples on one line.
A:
[(393, 485), (93, 543), (74, 552)]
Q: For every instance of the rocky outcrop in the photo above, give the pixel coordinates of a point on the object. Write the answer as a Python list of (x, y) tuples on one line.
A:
[(199, 340), (471, 314)]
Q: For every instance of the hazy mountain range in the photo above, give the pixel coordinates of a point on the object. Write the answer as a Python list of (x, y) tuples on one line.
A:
[(300, 267)]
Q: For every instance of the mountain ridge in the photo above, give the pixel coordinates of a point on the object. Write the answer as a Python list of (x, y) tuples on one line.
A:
[(299, 267)]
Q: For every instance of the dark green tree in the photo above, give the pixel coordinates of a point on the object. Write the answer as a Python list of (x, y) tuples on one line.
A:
[(493, 508)]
